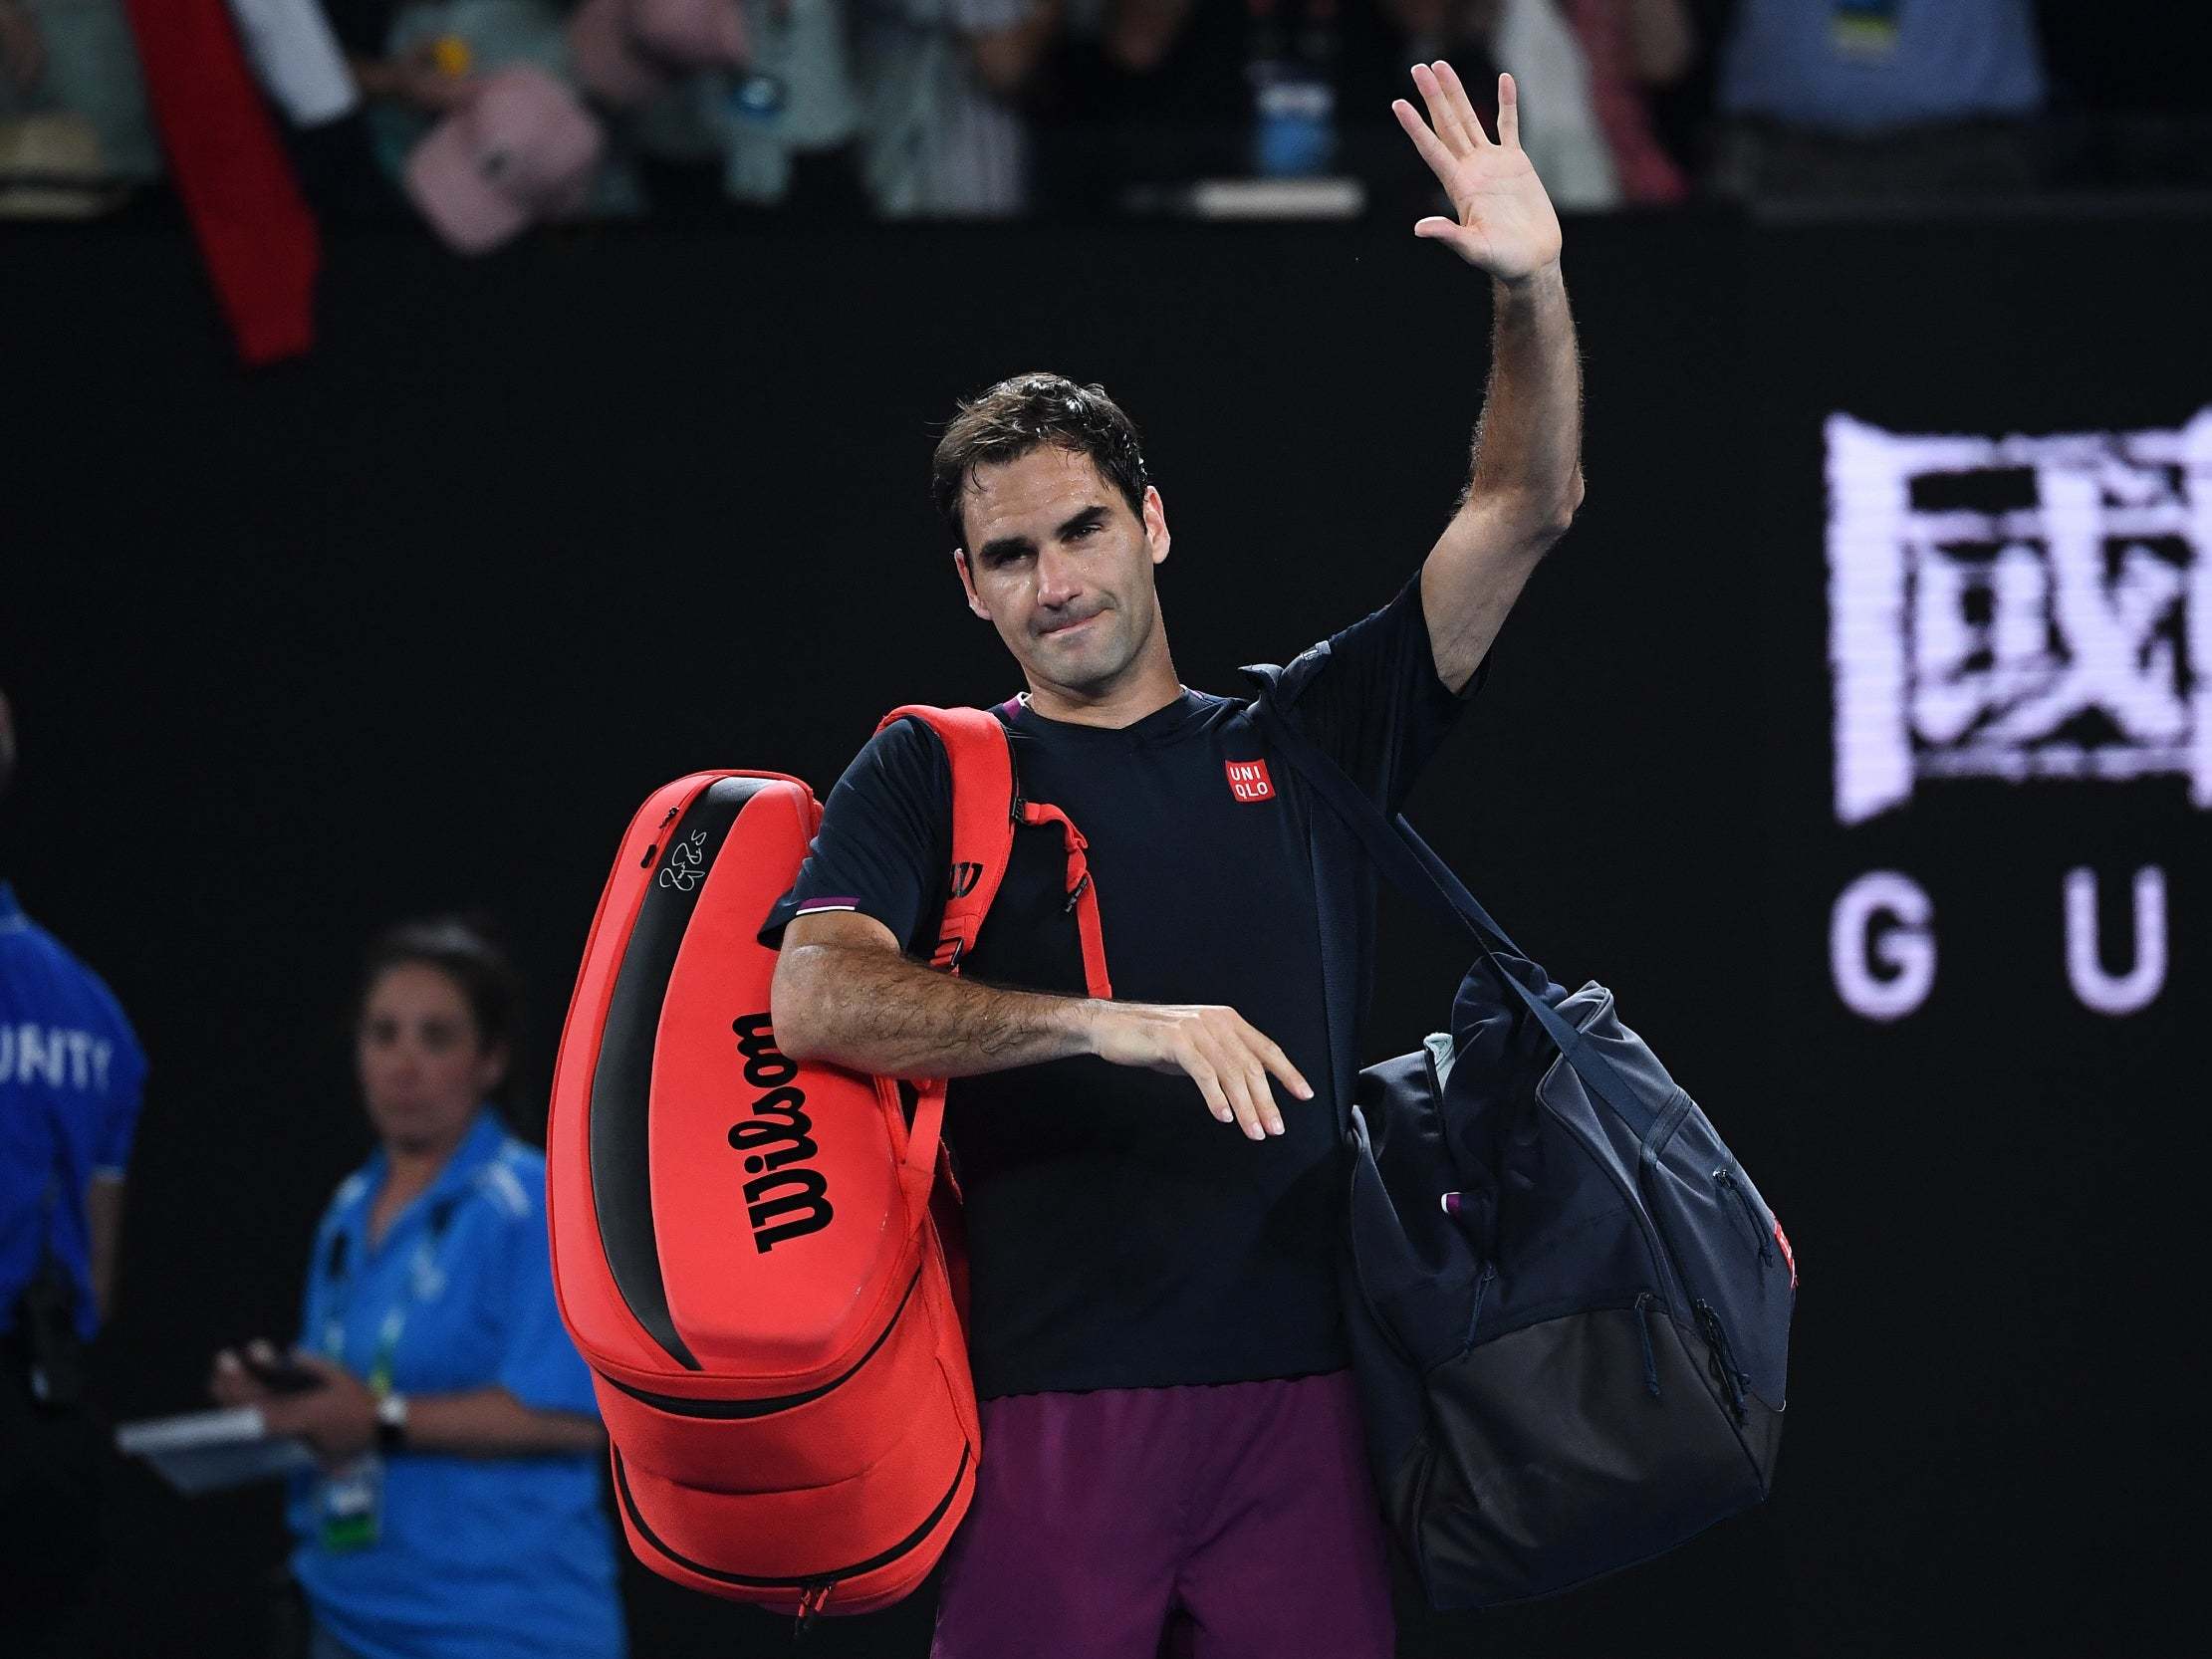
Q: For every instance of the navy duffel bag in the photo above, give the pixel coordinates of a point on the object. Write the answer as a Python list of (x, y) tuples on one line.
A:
[(1568, 1306)]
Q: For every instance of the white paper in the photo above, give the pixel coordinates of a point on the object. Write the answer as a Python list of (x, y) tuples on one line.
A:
[(207, 1451)]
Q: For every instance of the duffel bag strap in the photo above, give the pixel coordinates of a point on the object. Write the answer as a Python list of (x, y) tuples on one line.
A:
[(1415, 869)]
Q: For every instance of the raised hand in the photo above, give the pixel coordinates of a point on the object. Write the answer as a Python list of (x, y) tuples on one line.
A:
[(1506, 226)]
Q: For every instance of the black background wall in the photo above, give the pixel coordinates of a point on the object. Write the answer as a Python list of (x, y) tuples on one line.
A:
[(415, 623)]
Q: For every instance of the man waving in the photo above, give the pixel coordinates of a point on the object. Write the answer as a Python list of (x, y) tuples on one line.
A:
[(1171, 1434)]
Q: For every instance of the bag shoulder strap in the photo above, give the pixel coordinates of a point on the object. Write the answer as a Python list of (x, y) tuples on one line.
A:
[(987, 803), (1415, 869), (984, 809)]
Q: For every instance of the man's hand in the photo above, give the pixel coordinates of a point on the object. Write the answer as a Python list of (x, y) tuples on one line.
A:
[(1506, 226), (1215, 1048), (338, 1419), (230, 1383)]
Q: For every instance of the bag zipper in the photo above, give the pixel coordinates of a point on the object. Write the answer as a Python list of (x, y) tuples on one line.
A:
[(678, 1406), (1723, 1359), (1725, 1178), (810, 1605), (816, 1585), (1645, 1300)]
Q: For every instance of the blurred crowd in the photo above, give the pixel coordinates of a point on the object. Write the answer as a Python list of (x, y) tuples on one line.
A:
[(485, 117)]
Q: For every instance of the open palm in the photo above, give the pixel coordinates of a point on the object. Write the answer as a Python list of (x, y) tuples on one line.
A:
[(1506, 226)]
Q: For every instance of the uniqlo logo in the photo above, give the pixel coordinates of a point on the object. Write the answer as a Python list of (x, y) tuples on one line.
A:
[(1248, 781)]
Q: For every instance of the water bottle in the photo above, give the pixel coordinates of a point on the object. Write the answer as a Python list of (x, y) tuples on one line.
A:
[(755, 91), (1294, 92)]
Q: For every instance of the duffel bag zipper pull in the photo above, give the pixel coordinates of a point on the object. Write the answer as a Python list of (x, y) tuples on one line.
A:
[(1722, 1358), (810, 1604), (1645, 1300), (1726, 1178)]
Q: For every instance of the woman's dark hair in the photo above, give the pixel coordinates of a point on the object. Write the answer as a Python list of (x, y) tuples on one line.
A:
[(1031, 411), (464, 949)]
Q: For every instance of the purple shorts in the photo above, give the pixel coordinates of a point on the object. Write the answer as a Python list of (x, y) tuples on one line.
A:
[(1231, 1522)]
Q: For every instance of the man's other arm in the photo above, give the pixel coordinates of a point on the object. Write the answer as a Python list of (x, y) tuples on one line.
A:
[(1526, 476), (103, 1230), (844, 994)]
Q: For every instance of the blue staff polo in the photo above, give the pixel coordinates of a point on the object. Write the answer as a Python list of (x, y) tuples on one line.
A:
[(507, 1558), (70, 1074)]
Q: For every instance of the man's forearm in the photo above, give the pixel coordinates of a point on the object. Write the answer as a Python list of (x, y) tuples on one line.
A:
[(1529, 441), (492, 1423), (875, 1011), (103, 1230)]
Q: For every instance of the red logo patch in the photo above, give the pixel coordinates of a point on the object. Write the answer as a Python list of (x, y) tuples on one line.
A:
[(1788, 1255), (1248, 781)]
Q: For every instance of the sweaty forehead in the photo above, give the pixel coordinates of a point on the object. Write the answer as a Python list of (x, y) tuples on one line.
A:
[(1031, 493)]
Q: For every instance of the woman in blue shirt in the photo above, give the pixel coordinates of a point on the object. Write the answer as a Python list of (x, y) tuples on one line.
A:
[(457, 1510)]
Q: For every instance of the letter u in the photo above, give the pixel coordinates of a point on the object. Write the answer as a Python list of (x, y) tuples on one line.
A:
[(2099, 991)]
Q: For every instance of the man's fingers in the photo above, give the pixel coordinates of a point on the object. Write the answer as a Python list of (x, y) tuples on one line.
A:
[(1239, 1090), (1441, 115), (1509, 113), (1439, 158), (1271, 1117), (1272, 1057), (1202, 1074), (1461, 106)]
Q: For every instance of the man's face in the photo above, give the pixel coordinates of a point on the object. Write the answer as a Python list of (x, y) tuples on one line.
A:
[(1060, 566)]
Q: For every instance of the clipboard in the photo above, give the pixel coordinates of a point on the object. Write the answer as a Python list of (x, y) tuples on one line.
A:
[(212, 1451)]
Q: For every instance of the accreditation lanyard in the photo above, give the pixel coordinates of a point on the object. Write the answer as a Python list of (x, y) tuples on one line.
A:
[(425, 1282)]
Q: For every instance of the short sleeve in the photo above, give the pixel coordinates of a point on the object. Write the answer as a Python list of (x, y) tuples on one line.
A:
[(886, 839), (1370, 697), (537, 1364)]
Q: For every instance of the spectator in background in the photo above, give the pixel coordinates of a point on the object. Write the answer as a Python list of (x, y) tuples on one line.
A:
[(72, 99), (420, 60), (801, 154), (457, 1515), (728, 103), (943, 133), (1589, 129), (70, 1078), (1880, 96)]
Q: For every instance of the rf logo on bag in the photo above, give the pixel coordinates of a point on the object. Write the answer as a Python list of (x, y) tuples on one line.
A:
[(687, 865), (2019, 608), (1248, 781)]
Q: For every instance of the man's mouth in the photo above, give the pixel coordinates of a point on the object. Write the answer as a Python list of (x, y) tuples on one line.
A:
[(1059, 628)]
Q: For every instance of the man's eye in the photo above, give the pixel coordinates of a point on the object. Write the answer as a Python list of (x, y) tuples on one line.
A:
[(1080, 531)]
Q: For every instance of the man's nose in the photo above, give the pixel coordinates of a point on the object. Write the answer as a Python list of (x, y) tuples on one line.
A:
[(1059, 581)]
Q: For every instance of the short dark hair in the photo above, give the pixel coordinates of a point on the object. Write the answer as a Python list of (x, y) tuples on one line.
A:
[(1031, 411), (466, 951)]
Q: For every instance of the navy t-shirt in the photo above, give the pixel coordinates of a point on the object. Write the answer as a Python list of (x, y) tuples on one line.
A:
[(1119, 1235)]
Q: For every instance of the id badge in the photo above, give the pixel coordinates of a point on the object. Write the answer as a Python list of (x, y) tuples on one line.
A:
[(351, 1507), (1864, 31)]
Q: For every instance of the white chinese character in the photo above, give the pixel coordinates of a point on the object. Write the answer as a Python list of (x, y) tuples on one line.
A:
[(2019, 608)]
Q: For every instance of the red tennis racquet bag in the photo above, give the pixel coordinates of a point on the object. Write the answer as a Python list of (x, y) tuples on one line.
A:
[(752, 1252)]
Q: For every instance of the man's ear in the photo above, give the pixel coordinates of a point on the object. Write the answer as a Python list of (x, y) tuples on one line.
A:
[(1155, 524), (967, 582)]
